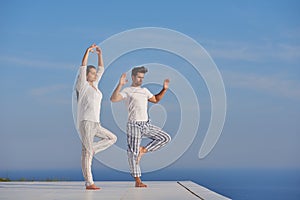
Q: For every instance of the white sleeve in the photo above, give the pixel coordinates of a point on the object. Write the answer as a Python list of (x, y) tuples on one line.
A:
[(148, 93), (124, 93), (100, 72), (81, 79)]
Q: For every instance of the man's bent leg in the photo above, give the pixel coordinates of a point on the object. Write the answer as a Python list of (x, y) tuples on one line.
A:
[(142, 151), (158, 136)]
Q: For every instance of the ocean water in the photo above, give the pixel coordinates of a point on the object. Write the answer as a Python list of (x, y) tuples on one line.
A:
[(234, 183)]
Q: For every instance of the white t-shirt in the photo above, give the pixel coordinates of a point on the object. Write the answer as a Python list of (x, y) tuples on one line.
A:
[(136, 99), (89, 98)]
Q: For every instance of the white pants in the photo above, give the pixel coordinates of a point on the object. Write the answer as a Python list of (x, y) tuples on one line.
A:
[(88, 131)]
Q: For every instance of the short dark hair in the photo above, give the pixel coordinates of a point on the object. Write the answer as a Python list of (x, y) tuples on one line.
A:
[(136, 70), (88, 68)]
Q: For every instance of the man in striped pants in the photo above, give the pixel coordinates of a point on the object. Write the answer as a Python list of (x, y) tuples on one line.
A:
[(139, 125)]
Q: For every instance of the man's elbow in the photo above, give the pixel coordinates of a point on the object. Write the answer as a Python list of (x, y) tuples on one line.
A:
[(112, 99), (154, 100), (115, 99)]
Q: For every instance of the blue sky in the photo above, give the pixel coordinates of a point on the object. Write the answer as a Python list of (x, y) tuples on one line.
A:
[(256, 46)]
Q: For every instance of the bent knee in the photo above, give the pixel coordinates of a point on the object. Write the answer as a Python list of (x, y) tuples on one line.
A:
[(166, 138), (114, 139), (169, 138)]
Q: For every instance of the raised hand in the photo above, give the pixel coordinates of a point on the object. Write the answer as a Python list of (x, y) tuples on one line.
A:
[(86, 54), (166, 83), (98, 50), (91, 48), (123, 79), (116, 96)]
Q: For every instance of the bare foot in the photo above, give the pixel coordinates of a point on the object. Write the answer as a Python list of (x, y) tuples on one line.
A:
[(140, 184), (92, 187), (142, 151)]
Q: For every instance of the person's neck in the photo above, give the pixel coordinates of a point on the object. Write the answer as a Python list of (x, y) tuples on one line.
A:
[(135, 85)]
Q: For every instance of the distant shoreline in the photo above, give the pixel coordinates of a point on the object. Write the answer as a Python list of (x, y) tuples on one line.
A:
[(32, 180)]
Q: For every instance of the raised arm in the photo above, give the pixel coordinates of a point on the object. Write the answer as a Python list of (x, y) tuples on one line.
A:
[(82, 71), (156, 98), (100, 69), (86, 54), (100, 59), (116, 96)]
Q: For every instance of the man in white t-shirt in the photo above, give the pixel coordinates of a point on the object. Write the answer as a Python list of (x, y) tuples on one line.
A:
[(138, 124)]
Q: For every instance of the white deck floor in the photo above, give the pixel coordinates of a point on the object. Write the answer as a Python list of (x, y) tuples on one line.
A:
[(183, 190)]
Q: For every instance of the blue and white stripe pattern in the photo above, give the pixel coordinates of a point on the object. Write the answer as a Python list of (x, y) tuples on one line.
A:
[(135, 131)]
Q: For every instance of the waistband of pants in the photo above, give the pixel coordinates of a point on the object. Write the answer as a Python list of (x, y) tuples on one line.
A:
[(139, 122)]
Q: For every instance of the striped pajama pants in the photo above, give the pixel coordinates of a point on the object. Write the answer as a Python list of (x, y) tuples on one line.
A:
[(135, 131), (89, 130)]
